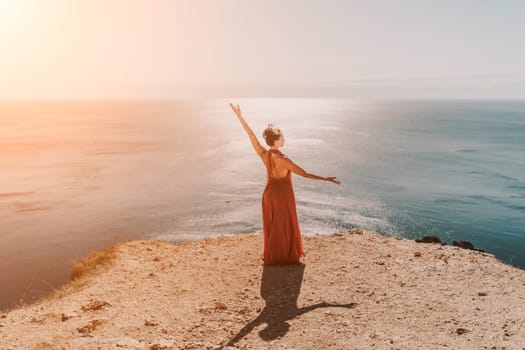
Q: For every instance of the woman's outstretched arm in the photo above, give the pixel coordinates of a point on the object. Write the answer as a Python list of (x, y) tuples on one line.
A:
[(300, 171), (255, 143)]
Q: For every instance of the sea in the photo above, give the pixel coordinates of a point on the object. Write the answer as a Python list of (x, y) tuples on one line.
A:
[(79, 175)]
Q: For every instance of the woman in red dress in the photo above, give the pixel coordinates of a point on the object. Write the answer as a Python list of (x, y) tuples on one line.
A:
[(282, 237)]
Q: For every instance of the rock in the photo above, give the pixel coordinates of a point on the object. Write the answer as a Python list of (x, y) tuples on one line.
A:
[(444, 258), (220, 305), (151, 323), (417, 254), (166, 342), (244, 310), (36, 320), (461, 331), (90, 327), (127, 343), (95, 305), (465, 245), (430, 239), (162, 344)]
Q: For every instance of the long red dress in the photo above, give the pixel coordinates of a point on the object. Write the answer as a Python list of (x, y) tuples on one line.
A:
[(282, 237)]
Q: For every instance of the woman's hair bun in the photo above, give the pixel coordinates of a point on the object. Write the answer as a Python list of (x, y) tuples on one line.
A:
[(271, 134)]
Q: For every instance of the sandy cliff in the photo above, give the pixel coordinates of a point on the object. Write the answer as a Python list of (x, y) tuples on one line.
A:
[(355, 290)]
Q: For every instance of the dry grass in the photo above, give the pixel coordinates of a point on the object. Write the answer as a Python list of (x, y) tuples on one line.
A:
[(67, 289), (88, 266), (92, 263)]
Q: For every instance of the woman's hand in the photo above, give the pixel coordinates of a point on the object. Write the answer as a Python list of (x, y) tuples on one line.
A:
[(333, 179), (236, 110)]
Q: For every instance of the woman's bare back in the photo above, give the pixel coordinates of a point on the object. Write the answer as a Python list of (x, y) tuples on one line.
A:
[(278, 169)]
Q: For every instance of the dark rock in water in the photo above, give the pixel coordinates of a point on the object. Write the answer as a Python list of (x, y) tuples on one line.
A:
[(429, 239), (465, 245)]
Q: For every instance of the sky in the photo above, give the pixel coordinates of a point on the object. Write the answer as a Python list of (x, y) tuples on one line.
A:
[(281, 48)]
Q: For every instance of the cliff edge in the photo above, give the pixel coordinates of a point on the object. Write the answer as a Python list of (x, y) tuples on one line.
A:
[(355, 290)]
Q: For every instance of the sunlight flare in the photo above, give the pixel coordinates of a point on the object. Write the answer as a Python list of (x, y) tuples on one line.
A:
[(10, 12)]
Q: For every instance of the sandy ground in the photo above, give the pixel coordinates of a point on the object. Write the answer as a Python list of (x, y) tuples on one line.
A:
[(354, 290)]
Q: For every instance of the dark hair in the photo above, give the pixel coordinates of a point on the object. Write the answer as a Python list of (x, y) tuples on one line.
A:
[(271, 134)]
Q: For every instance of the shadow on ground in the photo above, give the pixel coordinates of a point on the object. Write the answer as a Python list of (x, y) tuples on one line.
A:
[(280, 287)]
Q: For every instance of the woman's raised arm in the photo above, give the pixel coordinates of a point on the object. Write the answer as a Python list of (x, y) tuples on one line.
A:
[(255, 143)]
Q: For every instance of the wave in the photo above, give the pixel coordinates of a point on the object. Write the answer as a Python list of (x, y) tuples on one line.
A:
[(16, 194), (493, 174), (327, 127), (454, 201), (497, 201), (178, 236)]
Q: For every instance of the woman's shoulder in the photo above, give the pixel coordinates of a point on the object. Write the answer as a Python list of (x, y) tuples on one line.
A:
[(275, 155), (280, 158)]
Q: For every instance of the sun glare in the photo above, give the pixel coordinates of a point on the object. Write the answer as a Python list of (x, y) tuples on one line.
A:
[(5, 5), (9, 10)]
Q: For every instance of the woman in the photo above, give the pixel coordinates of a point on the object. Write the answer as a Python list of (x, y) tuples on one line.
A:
[(282, 238)]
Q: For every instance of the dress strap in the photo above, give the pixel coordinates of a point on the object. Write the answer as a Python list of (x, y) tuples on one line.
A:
[(269, 162)]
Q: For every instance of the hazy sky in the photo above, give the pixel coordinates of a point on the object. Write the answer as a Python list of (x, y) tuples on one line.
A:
[(228, 48)]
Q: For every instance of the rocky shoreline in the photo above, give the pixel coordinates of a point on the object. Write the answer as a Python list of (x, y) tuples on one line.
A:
[(355, 290)]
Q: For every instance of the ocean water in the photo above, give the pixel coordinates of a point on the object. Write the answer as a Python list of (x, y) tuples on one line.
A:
[(76, 176)]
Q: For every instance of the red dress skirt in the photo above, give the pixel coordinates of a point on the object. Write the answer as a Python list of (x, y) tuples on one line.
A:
[(281, 234)]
